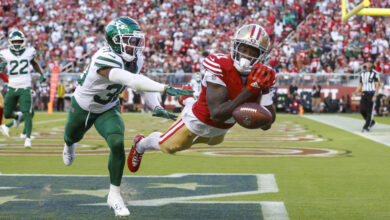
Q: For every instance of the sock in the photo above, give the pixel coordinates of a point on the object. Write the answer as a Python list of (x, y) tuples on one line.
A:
[(28, 123), (117, 158), (188, 100), (115, 189), (149, 143), (10, 124)]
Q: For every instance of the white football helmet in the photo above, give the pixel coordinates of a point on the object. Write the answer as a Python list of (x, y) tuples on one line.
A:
[(17, 40), (252, 35)]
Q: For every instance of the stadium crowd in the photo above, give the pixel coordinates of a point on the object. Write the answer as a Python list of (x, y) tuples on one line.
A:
[(180, 33)]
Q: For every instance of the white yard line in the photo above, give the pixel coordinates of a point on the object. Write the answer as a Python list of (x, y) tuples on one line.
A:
[(49, 121), (380, 133)]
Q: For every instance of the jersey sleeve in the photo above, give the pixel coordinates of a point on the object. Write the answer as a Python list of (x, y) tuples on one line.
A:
[(212, 71), (108, 60)]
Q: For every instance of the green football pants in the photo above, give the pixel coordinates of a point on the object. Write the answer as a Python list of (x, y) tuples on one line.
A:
[(23, 96), (110, 126)]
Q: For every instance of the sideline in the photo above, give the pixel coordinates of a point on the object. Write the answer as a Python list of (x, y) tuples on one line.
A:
[(380, 133)]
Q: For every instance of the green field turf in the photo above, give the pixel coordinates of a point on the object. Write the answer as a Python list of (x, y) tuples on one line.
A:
[(353, 184)]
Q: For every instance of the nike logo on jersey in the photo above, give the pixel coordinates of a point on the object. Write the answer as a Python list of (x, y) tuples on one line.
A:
[(255, 85), (112, 56), (212, 59)]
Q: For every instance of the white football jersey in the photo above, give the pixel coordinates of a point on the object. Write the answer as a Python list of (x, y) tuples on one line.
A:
[(95, 93), (18, 67)]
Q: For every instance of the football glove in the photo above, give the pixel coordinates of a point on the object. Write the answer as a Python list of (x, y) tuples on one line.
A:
[(178, 92), (261, 77), (42, 79), (2, 65), (161, 112)]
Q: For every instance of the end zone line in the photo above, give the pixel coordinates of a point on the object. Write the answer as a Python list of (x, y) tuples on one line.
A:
[(378, 134)]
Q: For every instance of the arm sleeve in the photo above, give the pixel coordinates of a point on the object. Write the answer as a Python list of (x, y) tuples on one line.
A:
[(135, 81), (150, 99)]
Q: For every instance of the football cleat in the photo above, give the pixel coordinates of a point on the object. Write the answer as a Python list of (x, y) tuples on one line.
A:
[(372, 124), (134, 158), (27, 143), (68, 155), (17, 121), (182, 98), (115, 201), (4, 129)]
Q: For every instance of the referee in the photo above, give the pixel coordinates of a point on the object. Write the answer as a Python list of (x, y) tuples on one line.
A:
[(369, 86)]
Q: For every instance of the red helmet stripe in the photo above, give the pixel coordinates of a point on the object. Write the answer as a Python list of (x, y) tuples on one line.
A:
[(258, 34), (253, 30)]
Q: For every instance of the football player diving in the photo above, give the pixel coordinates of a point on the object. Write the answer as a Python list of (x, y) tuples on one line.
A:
[(19, 57), (229, 81), (95, 100)]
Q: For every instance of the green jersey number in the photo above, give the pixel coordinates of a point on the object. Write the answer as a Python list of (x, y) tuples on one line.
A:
[(14, 64), (111, 96)]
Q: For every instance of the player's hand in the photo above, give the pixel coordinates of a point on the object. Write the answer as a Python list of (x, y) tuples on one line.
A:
[(160, 112), (178, 92), (374, 99), (42, 79), (261, 77)]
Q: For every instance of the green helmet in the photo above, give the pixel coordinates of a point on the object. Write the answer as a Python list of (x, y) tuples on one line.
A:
[(17, 41), (125, 38)]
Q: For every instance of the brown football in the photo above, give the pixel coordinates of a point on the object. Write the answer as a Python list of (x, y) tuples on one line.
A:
[(252, 115)]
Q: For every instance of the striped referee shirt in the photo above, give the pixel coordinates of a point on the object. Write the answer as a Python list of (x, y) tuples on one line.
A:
[(368, 79)]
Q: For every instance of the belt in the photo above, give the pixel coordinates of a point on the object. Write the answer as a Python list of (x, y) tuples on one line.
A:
[(368, 92)]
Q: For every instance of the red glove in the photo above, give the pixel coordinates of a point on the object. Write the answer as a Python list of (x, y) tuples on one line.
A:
[(4, 77), (261, 77)]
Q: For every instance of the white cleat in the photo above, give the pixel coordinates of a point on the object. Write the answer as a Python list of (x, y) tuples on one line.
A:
[(4, 129), (115, 201), (17, 121), (68, 154), (27, 143)]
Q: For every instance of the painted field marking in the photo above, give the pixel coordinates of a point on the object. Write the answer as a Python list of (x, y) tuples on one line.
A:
[(270, 210), (49, 121), (379, 133), (259, 183)]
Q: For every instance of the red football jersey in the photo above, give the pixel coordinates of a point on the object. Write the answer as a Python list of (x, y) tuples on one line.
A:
[(219, 69)]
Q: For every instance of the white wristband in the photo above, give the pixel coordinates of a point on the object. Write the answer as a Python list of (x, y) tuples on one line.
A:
[(266, 99)]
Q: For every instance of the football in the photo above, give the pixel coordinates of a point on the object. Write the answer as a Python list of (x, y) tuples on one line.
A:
[(252, 115)]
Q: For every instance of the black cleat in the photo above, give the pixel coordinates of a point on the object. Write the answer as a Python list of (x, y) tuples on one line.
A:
[(372, 124)]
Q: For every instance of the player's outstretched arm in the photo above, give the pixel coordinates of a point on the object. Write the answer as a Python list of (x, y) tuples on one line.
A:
[(139, 82)]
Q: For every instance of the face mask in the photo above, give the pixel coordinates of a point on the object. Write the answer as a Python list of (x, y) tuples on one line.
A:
[(244, 66)]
